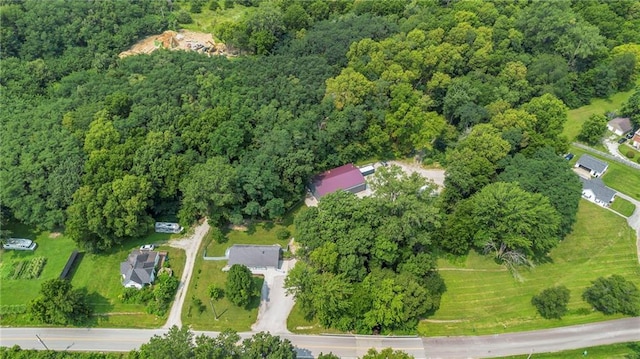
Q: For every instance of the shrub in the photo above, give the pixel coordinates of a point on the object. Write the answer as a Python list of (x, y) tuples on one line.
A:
[(283, 233), (631, 153), (552, 302), (214, 5), (183, 17), (612, 295), (215, 292)]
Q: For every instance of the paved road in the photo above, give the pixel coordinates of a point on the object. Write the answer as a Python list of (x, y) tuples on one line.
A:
[(190, 245), (573, 337)]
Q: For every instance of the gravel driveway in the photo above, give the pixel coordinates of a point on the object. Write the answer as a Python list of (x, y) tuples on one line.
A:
[(437, 175), (190, 245)]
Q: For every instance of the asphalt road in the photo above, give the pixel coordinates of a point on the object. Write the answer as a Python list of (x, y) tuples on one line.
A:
[(573, 337)]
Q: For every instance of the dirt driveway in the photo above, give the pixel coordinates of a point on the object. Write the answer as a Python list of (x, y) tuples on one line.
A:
[(437, 175), (275, 304)]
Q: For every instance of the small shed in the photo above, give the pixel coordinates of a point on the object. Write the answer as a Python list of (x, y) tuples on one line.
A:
[(254, 256), (620, 125), (594, 166), (367, 170), (595, 191), (346, 178)]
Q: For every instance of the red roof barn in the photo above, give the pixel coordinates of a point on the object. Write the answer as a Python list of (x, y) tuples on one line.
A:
[(346, 178)]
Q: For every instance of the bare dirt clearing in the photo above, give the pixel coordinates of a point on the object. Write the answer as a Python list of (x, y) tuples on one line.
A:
[(185, 40)]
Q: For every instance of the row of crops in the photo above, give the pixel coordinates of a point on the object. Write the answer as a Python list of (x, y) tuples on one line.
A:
[(26, 269)]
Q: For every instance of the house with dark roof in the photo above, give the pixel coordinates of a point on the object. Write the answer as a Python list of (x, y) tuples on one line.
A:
[(595, 191), (594, 166), (255, 257), (346, 178), (139, 269), (620, 125)]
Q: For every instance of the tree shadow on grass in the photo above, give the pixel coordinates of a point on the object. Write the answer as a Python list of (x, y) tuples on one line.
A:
[(635, 347), (100, 305)]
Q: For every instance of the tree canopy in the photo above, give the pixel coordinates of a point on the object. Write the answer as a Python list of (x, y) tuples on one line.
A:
[(60, 304)]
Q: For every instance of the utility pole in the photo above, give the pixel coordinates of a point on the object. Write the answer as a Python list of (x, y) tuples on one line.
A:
[(41, 342)]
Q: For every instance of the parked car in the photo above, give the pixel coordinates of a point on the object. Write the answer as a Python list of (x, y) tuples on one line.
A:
[(629, 135), (622, 140), (148, 247), (569, 156)]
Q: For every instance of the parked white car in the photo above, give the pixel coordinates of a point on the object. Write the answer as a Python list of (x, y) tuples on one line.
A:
[(148, 247)]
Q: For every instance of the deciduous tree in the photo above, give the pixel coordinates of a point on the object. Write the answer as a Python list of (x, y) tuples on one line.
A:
[(552, 302), (240, 288)]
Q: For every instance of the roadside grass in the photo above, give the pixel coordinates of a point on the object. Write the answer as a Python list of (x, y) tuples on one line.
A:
[(578, 116), (206, 273), (207, 19), (483, 298), (622, 350), (296, 323), (623, 206), (98, 275), (620, 177)]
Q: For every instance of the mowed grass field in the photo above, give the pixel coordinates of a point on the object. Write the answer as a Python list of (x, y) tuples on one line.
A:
[(98, 275), (483, 298), (623, 206), (620, 177), (598, 106), (614, 351)]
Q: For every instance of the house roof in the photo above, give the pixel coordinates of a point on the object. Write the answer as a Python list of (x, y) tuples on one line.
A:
[(254, 256), (621, 123), (343, 177), (139, 266), (592, 163), (600, 191), (636, 137)]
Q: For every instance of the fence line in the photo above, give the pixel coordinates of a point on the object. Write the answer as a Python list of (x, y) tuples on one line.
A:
[(624, 161)]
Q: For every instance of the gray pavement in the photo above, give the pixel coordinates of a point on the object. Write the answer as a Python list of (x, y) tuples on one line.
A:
[(346, 346)]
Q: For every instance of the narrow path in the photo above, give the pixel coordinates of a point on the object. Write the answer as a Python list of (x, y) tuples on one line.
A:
[(190, 245)]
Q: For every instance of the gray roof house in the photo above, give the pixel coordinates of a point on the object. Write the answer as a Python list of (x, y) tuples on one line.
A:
[(620, 125), (595, 191), (595, 167), (139, 269), (254, 256)]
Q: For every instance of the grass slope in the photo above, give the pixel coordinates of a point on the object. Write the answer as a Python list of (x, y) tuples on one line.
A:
[(483, 298), (207, 19), (578, 116), (620, 177)]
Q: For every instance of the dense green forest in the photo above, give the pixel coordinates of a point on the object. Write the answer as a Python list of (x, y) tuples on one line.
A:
[(102, 146)]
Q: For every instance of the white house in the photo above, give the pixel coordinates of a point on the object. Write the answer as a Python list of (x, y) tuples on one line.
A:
[(620, 125), (595, 191), (594, 166), (139, 269)]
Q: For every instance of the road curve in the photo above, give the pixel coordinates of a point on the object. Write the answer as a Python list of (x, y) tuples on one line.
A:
[(348, 346)]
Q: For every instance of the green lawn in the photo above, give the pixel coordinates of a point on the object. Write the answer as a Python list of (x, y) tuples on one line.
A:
[(625, 148), (623, 206), (229, 316), (296, 323), (623, 350), (598, 106), (96, 274), (483, 298), (620, 177)]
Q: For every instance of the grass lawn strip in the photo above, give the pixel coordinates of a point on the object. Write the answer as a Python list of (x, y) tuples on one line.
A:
[(483, 302), (623, 206), (621, 178)]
